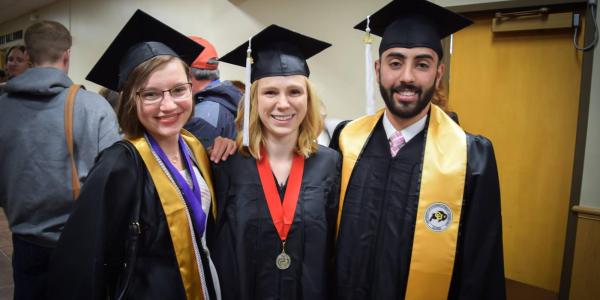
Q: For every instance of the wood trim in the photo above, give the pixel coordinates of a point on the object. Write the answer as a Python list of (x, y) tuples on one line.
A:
[(513, 4), (585, 276), (520, 290), (536, 22), (578, 163), (587, 212)]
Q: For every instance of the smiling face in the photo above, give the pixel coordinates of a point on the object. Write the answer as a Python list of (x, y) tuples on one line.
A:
[(164, 119), (407, 79), (282, 104)]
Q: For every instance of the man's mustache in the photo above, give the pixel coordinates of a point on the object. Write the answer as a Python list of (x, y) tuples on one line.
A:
[(406, 87)]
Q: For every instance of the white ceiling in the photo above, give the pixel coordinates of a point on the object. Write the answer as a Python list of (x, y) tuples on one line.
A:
[(10, 9)]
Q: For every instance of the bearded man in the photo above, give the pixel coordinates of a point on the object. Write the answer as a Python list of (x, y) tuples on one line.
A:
[(419, 206)]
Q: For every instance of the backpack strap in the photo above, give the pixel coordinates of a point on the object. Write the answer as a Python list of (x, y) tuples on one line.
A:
[(69, 104)]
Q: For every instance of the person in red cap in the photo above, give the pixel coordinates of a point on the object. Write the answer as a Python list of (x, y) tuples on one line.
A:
[(215, 101)]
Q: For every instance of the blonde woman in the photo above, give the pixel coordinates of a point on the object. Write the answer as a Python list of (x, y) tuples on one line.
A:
[(278, 195)]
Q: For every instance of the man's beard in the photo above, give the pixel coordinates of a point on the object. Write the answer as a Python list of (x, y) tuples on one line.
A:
[(404, 110)]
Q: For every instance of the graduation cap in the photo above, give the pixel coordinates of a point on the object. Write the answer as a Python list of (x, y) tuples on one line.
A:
[(415, 23), (142, 38), (275, 51)]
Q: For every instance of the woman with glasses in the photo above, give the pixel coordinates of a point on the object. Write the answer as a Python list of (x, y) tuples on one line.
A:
[(138, 230)]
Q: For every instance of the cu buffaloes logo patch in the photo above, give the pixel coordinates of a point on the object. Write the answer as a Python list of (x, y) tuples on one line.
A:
[(438, 217)]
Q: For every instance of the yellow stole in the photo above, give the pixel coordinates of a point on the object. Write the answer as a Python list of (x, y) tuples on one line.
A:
[(176, 211), (440, 198)]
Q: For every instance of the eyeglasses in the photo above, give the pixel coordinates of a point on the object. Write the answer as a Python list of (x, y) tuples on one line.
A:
[(178, 93)]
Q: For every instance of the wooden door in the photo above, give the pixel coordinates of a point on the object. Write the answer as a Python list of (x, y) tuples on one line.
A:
[(521, 90)]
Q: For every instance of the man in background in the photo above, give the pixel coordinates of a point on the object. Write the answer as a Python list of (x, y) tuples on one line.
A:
[(35, 172), (215, 101)]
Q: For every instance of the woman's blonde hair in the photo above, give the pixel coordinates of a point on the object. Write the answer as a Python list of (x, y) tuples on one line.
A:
[(126, 108), (309, 129)]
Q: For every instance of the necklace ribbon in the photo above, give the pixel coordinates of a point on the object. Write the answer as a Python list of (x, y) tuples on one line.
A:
[(282, 214), (192, 197)]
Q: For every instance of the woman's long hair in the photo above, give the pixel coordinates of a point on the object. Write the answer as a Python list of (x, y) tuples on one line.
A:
[(309, 130)]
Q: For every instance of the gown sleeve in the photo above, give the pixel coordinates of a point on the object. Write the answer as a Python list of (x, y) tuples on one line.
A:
[(333, 196), (90, 252), (335, 137), (221, 186), (479, 266), (220, 241)]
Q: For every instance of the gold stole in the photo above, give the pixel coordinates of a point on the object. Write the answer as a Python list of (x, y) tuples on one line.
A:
[(440, 199), (176, 211)]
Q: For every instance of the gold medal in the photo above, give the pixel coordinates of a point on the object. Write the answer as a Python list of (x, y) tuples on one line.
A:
[(283, 260)]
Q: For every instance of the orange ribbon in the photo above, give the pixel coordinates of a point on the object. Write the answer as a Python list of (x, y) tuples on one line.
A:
[(282, 214)]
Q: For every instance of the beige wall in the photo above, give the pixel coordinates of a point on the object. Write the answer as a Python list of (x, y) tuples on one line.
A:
[(337, 73), (590, 190), (58, 12)]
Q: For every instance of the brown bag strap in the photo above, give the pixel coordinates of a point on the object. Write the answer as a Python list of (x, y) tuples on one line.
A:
[(69, 135)]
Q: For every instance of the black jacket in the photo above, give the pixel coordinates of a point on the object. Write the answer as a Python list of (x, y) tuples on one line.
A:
[(88, 261), (215, 112), (378, 219), (247, 243)]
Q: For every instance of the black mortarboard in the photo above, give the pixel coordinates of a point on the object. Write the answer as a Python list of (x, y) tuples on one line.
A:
[(414, 23), (142, 38), (277, 51)]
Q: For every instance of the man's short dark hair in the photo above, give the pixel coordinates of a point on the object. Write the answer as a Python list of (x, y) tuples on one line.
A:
[(46, 41), (203, 74)]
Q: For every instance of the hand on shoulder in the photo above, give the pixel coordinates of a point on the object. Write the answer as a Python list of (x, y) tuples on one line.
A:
[(222, 149)]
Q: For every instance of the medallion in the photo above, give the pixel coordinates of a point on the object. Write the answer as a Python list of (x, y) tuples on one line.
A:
[(283, 261), (282, 212)]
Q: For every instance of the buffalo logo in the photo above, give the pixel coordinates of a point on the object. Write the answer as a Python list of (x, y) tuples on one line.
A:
[(438, 216)]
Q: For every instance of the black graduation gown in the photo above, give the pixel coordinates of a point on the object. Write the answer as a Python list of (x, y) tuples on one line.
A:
[(91, 251), (247, 243), (378, 220)]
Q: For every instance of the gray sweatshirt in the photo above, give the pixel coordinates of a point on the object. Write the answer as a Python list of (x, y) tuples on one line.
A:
[(35, 172)]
